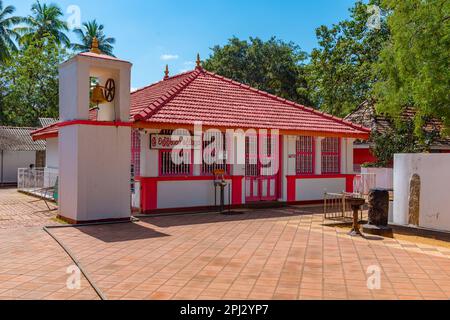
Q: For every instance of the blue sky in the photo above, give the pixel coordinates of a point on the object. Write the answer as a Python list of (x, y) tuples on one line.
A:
[(153, 33)]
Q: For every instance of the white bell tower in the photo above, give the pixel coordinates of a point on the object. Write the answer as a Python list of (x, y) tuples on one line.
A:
[(94, 138)]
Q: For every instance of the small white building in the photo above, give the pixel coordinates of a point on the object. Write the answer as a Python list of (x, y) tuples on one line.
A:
[(18, 150)]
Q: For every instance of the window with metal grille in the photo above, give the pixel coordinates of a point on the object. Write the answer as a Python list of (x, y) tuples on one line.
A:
[(169, 168), (211, 160), (331, 156), (304, 155), (135, 153), (251, 157)]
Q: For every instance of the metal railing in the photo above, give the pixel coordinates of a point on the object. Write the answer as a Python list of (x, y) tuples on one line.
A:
[(335, 206), (364, 182), (37, 181)]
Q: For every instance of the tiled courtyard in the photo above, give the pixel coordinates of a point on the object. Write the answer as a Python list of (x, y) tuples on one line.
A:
[(18, 210), (287, 253)]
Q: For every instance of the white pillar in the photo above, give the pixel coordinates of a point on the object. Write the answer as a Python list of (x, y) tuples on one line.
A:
[(291, 169), (343, 159), (149, 157), (350, 166), (347, 156), (318, 155), (286, 166), (238, 168)]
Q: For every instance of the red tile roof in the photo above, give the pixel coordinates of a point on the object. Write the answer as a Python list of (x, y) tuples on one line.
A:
[(100, 56), (45, 133), (144, 98), (216, 101), (52, 129)]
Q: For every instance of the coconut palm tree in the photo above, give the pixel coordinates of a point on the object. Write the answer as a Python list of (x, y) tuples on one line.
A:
[(90, 30), (7, 33), (44, 20)]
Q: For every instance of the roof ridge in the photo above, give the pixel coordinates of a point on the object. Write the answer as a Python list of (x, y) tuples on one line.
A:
[(289, 102), (23, 128), (165, 98), (161, 81)]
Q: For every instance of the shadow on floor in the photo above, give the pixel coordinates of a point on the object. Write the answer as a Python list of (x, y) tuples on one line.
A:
[(121, 232), (206, 218)]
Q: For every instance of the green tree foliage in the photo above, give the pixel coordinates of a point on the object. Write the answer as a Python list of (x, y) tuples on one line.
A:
[(90, 30), (7, 32), (273, 66), (415, 65), (45, 20), (29, 83), (341, 73), (401, 138)]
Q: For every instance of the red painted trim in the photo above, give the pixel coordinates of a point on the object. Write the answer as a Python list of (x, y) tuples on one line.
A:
[(292, 182), (236, 190), (181, 178), (95, 123), (36, 134), (363, 155), (321, 176), (291, 188), (149, 194), (280, 167), (349, 182), (45, 136), (149, 190)]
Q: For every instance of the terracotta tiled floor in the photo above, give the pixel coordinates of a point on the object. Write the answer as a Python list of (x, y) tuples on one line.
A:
[(33, 266), (268, 254), (18, 210)]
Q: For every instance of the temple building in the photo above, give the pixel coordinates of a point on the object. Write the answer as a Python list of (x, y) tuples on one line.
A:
[(309, 152)]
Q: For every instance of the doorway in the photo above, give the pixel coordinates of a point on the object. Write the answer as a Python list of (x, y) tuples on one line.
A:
[(262, 168)]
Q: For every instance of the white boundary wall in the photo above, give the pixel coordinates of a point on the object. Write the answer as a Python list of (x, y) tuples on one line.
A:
[(52, 154), (384, 176), (12, 161), (434, 172), (181, 194)]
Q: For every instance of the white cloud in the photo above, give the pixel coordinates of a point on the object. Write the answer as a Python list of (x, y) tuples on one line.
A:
[(167, 57)]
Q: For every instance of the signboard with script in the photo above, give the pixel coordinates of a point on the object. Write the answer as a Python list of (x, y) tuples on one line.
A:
[(161, 141)]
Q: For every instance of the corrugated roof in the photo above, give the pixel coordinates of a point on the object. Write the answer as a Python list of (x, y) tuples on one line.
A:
[(45, 122), (366, 115), (19, 139)]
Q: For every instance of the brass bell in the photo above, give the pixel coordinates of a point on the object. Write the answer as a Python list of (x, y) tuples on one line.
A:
[(98, 95)]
